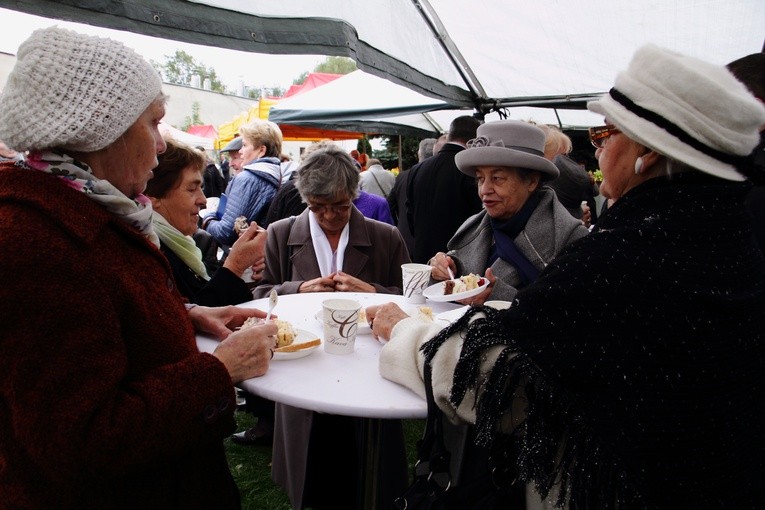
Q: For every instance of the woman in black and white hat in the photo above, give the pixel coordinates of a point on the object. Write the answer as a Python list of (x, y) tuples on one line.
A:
[(654, 400)]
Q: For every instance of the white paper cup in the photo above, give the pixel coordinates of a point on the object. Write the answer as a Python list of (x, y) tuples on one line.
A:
[(341, 322), (415, 278)]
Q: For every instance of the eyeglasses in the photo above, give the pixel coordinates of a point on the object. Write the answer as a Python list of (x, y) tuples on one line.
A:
[(599, 135), (335, 208)]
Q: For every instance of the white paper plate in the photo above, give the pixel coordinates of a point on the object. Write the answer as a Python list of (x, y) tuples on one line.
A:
[(302, 336), (363, 327), (436, 292), (452, 315)]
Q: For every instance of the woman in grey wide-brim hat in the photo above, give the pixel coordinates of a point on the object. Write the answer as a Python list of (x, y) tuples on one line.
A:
[(522, 226), (653, 398), (107, 402)]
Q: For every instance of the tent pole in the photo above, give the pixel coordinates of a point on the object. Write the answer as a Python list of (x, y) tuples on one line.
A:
[(400, 154), (560, 124)]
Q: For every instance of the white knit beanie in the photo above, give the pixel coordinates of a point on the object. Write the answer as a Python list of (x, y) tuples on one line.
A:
[(686, 109), (74, 91)]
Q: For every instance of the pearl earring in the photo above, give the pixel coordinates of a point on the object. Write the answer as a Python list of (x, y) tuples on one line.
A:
[(638, 166)]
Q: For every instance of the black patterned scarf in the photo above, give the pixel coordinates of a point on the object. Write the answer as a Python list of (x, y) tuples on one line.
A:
[(641, 351)]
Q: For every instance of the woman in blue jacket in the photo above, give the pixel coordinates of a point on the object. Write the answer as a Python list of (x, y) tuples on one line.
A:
[(251, 192)]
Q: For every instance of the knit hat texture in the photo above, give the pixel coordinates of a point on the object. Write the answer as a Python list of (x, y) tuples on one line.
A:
[(686, 109), (74, 91)]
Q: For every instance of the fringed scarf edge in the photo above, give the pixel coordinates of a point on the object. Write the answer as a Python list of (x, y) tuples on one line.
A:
[(557, 447)]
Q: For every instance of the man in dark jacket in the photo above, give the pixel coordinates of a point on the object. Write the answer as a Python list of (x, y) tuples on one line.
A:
[(213, 182), (397, 196), (440, 197)]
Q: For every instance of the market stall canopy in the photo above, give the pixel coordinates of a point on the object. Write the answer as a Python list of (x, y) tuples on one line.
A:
[(365, 103), (228, 130), (205, 130), (361, 102), (312, 81), (187, 138), (484, 55)]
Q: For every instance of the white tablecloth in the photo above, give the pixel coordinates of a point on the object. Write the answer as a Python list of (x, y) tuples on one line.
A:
[(348, 384)]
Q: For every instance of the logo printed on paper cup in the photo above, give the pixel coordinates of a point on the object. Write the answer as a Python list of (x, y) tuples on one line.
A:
[(347, 325), (415, 278), (341, 322)]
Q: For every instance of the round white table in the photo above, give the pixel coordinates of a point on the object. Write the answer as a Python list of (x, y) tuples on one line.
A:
[(342, 384)]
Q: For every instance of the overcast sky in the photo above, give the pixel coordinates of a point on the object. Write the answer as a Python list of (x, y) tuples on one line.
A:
[(232, 67)]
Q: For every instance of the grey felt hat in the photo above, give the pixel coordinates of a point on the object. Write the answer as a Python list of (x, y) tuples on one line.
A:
[(511, 143), (233, 146)]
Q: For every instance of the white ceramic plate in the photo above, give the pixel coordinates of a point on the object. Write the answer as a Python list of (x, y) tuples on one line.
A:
[(363, 328), (302, 336), (436, 292)]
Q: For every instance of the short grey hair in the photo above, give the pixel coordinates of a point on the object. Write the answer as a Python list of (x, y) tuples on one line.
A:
[(425, 149), (327, 173)]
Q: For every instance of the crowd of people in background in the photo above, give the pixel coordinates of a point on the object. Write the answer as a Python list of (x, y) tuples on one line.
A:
[(142, 240)]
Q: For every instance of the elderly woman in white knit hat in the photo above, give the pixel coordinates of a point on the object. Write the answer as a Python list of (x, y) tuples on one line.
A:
[(522, 226), (107, 403), (654, 399)]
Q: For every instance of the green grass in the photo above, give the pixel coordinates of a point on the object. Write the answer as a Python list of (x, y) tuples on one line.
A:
[(251, 466)]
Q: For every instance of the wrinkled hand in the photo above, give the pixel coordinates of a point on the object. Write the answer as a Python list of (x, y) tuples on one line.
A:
[(440, 262), (257, 269), (347, 283), (247, 353), (586, 215), (247, 251), (318, 285), (382, 319), (221, 320), (485, 293)]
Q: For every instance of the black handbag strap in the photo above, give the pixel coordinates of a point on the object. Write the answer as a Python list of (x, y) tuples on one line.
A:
[(433, 457)]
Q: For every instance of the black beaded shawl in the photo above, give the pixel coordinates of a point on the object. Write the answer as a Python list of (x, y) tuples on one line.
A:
[(641, 350)]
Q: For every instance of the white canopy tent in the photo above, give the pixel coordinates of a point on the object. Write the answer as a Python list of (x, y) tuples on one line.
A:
[(483, 55), (362, 102), (193, 140)]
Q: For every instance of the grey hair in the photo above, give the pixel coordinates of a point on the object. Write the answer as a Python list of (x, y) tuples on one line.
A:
[(425, 149), (327, 173)]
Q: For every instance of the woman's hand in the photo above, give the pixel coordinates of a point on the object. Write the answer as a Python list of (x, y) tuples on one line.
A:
[(247, 251), (586, 215), (382, 319), (247, 353), (221, 320), (347, 283), (318, 285), (441, 263), (257, 269), (485, 293)]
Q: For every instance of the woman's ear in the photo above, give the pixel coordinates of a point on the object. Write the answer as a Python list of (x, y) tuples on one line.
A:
[(535, 181), (650, 158)]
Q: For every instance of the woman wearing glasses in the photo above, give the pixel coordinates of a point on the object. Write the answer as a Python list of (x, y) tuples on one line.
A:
[(654, 399), (522, 226), (331, 247)]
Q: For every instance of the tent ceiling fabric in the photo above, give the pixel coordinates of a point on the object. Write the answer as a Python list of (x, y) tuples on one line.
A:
[(483, 54)]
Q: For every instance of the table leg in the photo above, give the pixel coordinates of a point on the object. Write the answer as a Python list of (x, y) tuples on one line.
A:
[(384, 473), (370, 446)]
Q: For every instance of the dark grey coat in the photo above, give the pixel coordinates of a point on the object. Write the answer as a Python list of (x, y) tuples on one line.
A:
[(374, 254), (549, 229)]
